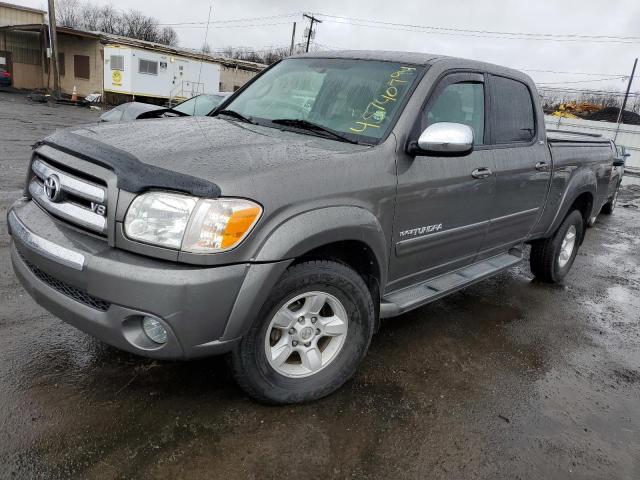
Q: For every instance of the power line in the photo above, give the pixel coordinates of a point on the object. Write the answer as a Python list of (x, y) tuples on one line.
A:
[(232, 26), (235, 20), (425, 31), (481, 33), (572, 73), (585, 81), (611, 75)]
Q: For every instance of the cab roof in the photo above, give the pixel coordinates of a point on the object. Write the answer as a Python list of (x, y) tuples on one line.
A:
[(417, 58)]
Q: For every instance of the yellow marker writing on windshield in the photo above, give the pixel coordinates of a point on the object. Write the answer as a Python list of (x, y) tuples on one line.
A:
[(365, 125)]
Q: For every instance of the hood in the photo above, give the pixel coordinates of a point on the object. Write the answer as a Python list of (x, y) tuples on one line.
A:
[(211, 148)]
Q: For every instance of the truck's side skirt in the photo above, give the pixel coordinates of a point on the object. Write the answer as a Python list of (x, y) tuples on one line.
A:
[(403, 300)]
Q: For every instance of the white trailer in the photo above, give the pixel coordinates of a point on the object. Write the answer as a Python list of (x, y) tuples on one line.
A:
[(146, 73)]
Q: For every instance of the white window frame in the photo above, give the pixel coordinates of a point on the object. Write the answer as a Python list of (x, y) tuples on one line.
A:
[(140, 60), (121, 57)]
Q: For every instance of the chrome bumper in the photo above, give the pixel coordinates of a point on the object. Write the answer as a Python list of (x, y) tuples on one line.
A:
[(44, 247)]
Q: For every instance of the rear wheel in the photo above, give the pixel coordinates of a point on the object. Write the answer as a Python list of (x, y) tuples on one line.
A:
[(552, 258), (309, 337), (610, 206)]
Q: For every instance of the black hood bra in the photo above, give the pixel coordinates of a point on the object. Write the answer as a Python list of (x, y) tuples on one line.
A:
[(133, 175)]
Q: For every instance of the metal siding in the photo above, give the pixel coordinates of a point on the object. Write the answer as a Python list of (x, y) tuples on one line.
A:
[(18, 16), (24, 47)]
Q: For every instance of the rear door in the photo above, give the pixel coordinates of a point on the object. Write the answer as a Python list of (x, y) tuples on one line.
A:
[(442, 211), (522, 163)]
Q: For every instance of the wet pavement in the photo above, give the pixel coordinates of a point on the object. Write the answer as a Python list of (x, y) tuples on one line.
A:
[(506, 379)]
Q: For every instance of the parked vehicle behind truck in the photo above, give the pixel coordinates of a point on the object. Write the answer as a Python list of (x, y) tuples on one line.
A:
[(333, 190)]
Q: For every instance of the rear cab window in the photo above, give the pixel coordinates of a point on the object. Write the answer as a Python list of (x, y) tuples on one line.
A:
[(512, 112)]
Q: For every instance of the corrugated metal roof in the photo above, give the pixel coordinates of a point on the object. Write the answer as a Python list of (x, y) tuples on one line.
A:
[(187, 52), (107, 38), (22, 7)]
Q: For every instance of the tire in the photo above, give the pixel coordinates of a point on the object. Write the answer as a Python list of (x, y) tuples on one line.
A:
[(294, 380), (610, 206), (545, 259)]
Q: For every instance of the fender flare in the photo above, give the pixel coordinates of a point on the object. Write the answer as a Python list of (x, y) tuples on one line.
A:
[(316, 228), (582, 181), (293, 238)]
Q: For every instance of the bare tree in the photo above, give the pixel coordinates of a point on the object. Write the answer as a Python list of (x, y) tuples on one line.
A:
[(68, 13), (109, 21), (266, 57), (168, 36), (86, 15)]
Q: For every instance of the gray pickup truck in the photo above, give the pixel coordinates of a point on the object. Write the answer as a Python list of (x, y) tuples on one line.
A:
[(331, 191)]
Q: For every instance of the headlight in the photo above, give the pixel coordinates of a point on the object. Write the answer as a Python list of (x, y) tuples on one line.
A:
[(190, 224)]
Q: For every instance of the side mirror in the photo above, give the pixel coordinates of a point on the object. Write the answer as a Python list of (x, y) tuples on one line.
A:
[(444, 138), (618, 162)]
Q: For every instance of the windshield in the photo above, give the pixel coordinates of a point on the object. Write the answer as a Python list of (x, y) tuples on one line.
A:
[(356, 98), (199, 106)]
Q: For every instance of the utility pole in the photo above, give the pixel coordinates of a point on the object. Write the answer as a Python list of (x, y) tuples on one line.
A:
[(293, 38), (313, 20), (53, 37), (626, 95)]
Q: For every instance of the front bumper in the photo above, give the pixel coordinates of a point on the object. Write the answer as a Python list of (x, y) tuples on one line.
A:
[(106, 292)]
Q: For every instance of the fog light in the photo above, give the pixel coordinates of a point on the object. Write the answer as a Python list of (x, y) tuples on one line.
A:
[(154, 330)]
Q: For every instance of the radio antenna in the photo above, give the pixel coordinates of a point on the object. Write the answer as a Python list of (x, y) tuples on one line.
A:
[(205, 45)]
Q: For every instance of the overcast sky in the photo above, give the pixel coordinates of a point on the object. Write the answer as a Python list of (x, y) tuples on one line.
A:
[(568, 17)]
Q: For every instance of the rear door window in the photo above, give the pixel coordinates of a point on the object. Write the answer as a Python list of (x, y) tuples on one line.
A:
[(512, 112)]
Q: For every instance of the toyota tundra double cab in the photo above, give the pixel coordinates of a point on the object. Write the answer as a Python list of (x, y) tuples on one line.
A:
[(333, 190)]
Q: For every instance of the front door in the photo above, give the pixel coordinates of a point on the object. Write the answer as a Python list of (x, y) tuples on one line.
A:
[(181, 83), (442, 209)]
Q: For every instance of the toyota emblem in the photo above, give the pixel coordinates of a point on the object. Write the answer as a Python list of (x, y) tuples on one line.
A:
[(52, 188)]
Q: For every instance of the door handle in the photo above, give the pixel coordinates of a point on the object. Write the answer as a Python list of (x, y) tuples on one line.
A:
[(482, 172), (542, 166)]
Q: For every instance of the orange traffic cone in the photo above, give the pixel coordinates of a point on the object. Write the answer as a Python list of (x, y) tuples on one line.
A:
[(74, 94)]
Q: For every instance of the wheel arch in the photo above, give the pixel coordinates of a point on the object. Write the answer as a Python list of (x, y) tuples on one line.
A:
[(580, 194), (350, 235)]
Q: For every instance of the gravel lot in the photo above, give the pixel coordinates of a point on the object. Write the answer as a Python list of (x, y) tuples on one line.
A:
[(507, 379)]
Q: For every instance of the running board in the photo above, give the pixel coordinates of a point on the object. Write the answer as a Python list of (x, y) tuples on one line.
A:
[(403, 300)]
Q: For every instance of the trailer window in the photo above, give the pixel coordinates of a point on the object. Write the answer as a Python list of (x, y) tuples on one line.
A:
[(512, 112), (147, 67), (81, 66), (117, 62)]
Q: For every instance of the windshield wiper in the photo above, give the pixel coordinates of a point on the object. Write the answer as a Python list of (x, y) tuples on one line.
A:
[(312, 127), (234, 114)]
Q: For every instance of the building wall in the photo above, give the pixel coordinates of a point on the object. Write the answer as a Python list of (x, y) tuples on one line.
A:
[(27, 76), (16, 16), (232, 78), (71, 45)]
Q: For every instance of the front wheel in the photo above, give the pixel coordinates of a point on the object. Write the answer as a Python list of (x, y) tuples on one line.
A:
[(552, 258), (309, 337)]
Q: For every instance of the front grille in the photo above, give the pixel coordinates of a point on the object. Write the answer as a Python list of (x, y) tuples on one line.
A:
[(67, 194), (72, 292)]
